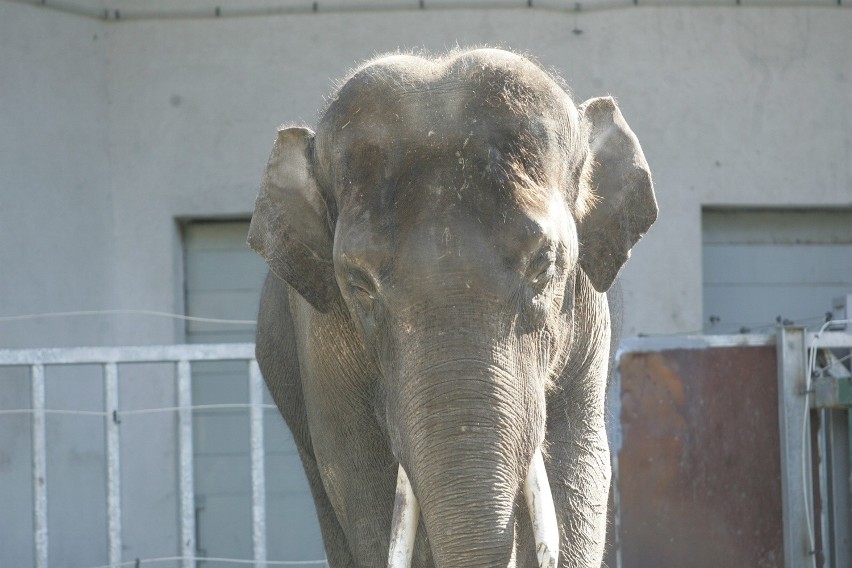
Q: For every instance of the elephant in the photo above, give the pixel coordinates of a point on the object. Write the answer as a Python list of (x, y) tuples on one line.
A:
[(435, 327)]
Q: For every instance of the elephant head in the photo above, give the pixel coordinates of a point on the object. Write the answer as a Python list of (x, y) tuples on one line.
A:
[(467, 218)]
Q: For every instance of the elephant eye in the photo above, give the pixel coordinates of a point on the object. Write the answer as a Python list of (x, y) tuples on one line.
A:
[(543, 276), (362, 291), (542, 270)]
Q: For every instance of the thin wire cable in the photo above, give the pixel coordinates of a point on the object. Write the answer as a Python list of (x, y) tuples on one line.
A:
[(776, 323), (120, 413), (226, 406), (98, 413), (740, 325), (153, 313), (141, 561), (236, 10)]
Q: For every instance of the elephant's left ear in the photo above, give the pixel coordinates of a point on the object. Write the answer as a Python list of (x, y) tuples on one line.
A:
[(617, 187), (290, 227)]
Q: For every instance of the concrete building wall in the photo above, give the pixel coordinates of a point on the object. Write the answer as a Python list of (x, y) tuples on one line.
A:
[(112, 132), (55, 199), (734, 106), (146, 121), (55, 254)]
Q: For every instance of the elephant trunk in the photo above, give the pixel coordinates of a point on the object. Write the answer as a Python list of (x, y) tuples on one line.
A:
[(472, 431), (469, 517), (539, 503)]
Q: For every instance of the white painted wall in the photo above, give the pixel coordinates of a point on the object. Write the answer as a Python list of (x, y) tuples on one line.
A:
[(55, 253), (733, 105), (55, 199), (745, 106), (110, 131)]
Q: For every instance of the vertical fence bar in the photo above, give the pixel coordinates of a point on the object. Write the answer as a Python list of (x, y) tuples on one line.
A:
[(838, 500), (187, 482), (39, 467), (823, 469), (113, 464), (795, 447), (258, 473)]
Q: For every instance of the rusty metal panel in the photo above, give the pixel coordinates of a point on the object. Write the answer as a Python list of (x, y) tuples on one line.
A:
[(699, 480)]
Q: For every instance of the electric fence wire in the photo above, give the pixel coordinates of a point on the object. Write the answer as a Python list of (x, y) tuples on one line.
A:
[(142, 561), (273, 8), (745, 327), (153, 313), (118, 414)]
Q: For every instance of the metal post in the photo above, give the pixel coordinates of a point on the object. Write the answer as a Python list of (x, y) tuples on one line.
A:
[(187, 482), (258, 474), (39, 467), (794, 423), (824, 466), (836, 500), (113, 464)]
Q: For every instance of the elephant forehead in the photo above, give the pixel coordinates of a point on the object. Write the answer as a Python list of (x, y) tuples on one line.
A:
[(473, 100), (448, 115), (486, 136), (487, 77), (443, 150)]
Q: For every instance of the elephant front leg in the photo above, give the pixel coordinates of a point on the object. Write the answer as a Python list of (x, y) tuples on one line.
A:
[(357, 473), (580, 472), (359, 487), (333, 537)]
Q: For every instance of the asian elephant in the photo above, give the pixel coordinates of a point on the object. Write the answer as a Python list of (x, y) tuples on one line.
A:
[(435, 328)]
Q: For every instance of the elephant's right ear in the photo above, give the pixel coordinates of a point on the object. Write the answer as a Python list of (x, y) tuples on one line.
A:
[(290, 226)]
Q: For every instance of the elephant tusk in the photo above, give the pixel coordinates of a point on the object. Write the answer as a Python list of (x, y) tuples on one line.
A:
[(542, 513), (406, 515)]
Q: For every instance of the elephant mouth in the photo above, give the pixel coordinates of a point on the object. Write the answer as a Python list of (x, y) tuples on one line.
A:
[(539, 500)]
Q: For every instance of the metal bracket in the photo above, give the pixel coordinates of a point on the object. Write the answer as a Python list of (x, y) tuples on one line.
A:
[(832, 393)]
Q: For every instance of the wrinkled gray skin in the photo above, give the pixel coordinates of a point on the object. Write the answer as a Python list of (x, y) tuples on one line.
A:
[(440, 250)]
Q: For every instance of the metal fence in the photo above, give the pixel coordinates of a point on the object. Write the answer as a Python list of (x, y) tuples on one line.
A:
[(110, 359), (729, 379), (805, 385)]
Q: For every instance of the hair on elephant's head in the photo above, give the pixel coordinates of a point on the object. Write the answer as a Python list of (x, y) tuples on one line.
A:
[(467, 217)]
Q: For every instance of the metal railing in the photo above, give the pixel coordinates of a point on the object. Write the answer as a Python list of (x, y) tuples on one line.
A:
[(802, 387), (110, 358)]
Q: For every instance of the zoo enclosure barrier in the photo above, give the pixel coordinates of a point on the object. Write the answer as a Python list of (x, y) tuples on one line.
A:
[(812, 375), (109, 358), (749, 434)]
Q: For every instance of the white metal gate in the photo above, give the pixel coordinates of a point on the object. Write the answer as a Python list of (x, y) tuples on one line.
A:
[(110, 359)]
